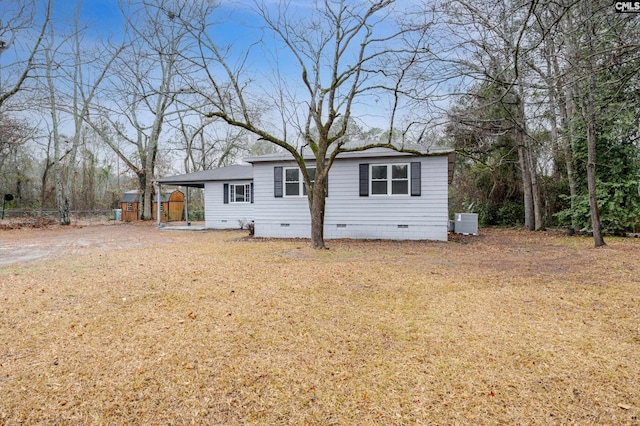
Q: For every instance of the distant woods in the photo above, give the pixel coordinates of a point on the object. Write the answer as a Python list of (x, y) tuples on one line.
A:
[(539, 98)]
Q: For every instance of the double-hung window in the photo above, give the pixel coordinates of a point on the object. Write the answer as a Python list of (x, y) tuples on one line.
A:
[(294, 181), (240, 193), (389, 179)]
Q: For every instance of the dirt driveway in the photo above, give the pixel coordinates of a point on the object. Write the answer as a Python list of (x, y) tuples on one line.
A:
[(28, 244)]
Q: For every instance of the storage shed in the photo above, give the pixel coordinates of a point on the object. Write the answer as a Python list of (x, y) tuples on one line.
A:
[(172, 206), (130, 205)]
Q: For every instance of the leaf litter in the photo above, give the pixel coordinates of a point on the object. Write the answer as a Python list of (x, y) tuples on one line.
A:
[(211, 328)]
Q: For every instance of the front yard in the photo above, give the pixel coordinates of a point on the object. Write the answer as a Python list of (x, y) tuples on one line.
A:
[(173, 327)]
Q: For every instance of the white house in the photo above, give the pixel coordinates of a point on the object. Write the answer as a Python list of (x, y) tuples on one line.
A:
[(373, 194)]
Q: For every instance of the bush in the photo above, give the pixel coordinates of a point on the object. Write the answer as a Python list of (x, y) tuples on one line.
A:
[(249, 225), (196, 215)]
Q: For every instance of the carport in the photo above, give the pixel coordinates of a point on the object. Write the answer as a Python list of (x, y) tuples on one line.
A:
[(198, 180), (187, 181)]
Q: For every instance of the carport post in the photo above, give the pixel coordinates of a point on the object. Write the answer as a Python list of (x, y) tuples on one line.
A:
[(186, 205), (158, 203)]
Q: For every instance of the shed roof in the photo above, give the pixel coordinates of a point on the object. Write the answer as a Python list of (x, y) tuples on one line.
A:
[(133, 196), (197, 179)]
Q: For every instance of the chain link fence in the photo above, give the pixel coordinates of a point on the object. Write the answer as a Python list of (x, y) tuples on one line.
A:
[(37, 218)]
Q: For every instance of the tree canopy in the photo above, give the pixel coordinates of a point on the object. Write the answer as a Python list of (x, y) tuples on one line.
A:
[(539, 98)]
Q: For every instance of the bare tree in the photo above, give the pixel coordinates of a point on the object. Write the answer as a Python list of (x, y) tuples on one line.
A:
[(553, 31), (207, 143), (591, 50), (144, 87), (18, 18), (23, 25), (561, 64), (590, 119), (489, 39), (339, 56), (16, 158), (65, 62)]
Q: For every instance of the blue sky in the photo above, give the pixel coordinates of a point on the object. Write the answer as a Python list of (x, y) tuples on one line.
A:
[(236, 25), (103, 17)]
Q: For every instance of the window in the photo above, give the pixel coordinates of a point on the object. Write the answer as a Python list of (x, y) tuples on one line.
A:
[(389, 179), (294, 182), (240, 193)]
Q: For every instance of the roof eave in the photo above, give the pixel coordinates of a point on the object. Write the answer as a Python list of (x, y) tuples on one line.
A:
[(370, 153)]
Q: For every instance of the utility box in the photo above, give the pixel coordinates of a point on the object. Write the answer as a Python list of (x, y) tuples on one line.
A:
[(466, 223)]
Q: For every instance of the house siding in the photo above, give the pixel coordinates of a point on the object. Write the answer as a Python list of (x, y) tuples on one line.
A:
[(349, 215), (217, 214)]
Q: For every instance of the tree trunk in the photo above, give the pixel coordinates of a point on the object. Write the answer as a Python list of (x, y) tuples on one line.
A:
[(523, 159), (562, 100), (62, 201), (568, 155), (590, 118), (535, 193), (317, 200), (591, 165), (145, 197), (529, 218), (566, 104), (531, 169)]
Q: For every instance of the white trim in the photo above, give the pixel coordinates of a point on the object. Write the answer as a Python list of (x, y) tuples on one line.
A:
[(301, 188), (247, 192), (389, 179)]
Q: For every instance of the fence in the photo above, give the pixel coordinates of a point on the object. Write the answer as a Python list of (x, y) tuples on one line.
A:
[(78, 217)]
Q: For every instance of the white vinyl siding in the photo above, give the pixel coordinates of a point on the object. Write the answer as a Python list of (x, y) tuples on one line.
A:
[(221, 215), (349, 215)]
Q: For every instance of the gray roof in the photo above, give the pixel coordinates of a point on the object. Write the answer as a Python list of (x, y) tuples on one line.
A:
[(369, 153), (245, 171), (197, 179), (133, 196)]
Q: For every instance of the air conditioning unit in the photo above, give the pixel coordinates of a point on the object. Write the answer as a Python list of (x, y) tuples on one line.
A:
[(466, 223)]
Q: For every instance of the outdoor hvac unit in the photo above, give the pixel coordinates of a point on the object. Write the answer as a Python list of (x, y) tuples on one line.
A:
[(466, 223)]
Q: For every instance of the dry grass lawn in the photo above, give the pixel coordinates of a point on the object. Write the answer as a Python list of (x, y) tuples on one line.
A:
[(509, 327)]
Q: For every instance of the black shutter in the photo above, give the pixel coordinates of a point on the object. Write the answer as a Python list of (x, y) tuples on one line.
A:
[(277, 182), (416, 179), (225, 196), (251, 192), (364, 180)]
